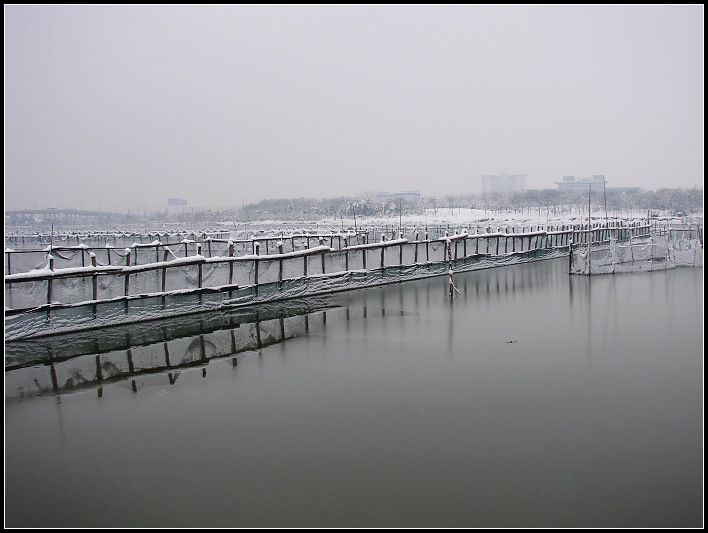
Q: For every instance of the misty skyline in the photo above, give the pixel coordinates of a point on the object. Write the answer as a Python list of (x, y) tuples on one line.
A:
[(122, 107)]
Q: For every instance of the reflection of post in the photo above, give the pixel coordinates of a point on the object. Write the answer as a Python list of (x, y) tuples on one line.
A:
[(450, 328), (53, 373), (99, 376)]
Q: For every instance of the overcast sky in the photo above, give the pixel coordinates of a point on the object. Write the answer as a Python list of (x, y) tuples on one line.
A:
[(123, 107)]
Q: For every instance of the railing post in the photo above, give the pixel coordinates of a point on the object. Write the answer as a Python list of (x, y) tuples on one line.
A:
[(383, 238), (164, 269), (231, 263), (49, 281), (94, 264), (127, 273), (256, 249), (400, 250), (346, 254)]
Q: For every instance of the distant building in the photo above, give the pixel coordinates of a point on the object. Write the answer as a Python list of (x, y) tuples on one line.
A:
[(503, 183), (408, 196), (571, 183)]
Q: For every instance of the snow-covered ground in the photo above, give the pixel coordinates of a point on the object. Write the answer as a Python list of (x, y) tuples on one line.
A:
[(464, 217)]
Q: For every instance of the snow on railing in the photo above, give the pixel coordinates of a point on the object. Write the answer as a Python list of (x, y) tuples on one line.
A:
[(125, 275)]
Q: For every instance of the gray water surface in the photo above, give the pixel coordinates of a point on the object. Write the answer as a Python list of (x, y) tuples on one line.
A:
[(531, 399)]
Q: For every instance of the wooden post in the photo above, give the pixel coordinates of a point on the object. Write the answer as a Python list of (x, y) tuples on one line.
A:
[(49, 289), (127, 274), (164, 270), (700, 235), (346, 254), (570, 258), (400, 251), (320, 239), (94, 277), (231, 263)]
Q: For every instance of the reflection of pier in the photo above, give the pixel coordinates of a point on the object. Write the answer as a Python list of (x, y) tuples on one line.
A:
[(70, 362)]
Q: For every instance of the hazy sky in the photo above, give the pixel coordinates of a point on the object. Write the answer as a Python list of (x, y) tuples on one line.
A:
[(122, 107)]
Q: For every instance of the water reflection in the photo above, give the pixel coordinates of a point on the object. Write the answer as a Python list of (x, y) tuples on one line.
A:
[(154, 352), (515, 404)]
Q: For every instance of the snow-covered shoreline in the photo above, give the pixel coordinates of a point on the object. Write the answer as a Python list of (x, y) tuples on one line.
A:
[(464, 216)]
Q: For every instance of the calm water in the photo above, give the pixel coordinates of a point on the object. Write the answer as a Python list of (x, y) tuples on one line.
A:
[(531, 399)]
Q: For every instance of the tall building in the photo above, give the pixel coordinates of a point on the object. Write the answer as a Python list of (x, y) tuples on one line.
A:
[(409, 196), (503, 183), (571, 183)]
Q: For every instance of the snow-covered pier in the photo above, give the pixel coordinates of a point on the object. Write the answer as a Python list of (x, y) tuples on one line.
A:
[(52, 300)]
